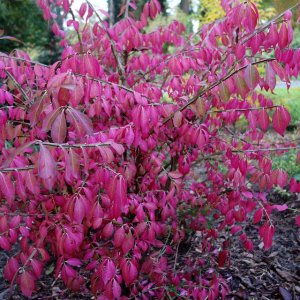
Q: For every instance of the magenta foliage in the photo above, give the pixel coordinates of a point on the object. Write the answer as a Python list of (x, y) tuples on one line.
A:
[(101, 151)]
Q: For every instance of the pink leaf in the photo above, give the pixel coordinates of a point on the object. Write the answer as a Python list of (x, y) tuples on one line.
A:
[(270, 77), (46, 163), (49, 119), (281, 207), (75, 262), (59, 128), (266, 232), (128, 243), (283, 36), (224, 92), (7, 187), (241, 86), (79, 209), (4, 243), (57, 80), (109, 271), (31, 183), (80, 121), (116, 289), (298, 221), (119, 237), (258, 216), (27, 283), (177, 120), (281, 120), (251, 77), (263, 120)]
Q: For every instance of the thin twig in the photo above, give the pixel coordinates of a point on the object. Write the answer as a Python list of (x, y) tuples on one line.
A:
[(78, 35), (17, 85), (126, 8), (72, 145), (242, 109)]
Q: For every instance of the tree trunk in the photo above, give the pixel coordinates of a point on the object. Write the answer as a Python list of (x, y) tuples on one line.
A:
[(185, 6), (111, 12)]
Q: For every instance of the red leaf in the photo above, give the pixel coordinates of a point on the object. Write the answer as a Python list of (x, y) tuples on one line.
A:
[(258, 216), (79, 209), (281, 120), (35, 112), (57, 80), (4, 243), (7, 187), (223, 256), (119, 237), (37, 267), (46, 163), (81, 122), (251, 77), (59, 128), (75, 262), (281, 207), (31, 183), (116, 289), (241, 86), (270, 77), (82, 9), (50, 118), (15, 153), (224, 92), (266, 232), (128, 243), (109, 271), (283, 36), (27, 283), (272, 36), (177, 120), (263, 120), (63, 96), (11, 268)]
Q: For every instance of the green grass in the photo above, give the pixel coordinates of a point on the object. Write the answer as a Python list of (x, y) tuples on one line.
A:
[(287, 162)]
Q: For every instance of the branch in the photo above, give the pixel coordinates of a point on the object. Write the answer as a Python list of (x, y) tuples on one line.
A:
[(126, 8), (78, 35), (17, 85), (243, 109), (266, 149), (7, 170), (209, 88), (24, 60), (79, 146)]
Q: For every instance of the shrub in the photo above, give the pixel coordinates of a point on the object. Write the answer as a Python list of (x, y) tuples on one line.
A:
[(96, 169)]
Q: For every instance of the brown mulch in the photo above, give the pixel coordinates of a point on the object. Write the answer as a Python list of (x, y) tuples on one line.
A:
[(272, 274)]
